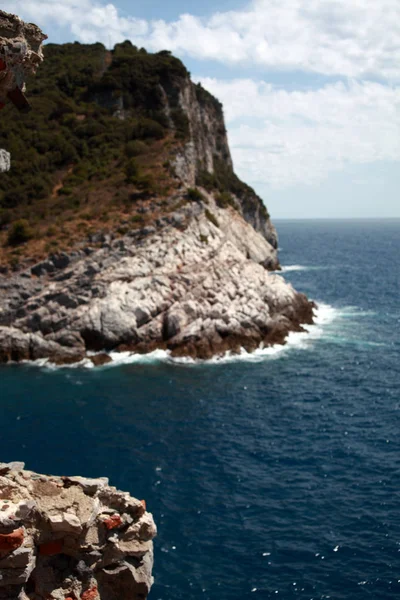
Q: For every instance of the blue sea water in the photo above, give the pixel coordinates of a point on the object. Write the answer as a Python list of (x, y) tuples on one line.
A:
[(275, 476)]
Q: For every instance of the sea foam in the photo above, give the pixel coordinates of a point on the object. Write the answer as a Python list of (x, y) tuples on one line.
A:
[(288, 268), (292, 268), (324, 314)]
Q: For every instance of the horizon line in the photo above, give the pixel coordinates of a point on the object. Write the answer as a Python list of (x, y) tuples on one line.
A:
[(335, 218)]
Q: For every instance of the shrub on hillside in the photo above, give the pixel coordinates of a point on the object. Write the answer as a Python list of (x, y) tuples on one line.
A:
[(212, 218), (181, 123), (19, 233), (195, 195), (131, 171), (135, 148), (147, 129), (225, 199)]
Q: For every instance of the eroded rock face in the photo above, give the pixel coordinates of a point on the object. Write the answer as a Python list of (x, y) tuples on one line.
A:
[(208, 149), (71, 538), (208, 137), (198, 285)]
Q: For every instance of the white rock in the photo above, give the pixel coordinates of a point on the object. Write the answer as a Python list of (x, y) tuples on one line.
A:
[(5, 161), (65, 523)]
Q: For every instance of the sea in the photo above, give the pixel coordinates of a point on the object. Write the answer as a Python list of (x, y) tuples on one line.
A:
[(273, 475)]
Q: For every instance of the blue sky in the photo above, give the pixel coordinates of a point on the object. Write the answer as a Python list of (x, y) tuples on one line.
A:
[(170, 10), (310, 87)]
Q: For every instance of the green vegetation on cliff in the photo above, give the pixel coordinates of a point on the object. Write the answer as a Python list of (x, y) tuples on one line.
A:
[(97, 150), (78, 98), (97, 135)]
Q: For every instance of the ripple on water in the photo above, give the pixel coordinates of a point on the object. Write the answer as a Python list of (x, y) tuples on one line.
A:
[(267, 478)]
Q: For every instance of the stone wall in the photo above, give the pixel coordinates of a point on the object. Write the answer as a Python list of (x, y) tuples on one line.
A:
[(71, 538)]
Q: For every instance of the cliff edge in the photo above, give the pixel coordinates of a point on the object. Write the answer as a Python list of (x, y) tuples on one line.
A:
[(71, 538)]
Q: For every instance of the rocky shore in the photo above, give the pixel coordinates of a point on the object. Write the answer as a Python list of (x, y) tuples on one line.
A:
[(196, 284), (71, 538)]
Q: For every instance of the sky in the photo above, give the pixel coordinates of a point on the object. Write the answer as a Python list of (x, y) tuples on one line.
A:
[(310, 88)]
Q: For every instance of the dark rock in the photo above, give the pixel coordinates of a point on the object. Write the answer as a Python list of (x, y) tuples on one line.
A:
[(61, 260), (148, 230), (100, 359), (43, 268), (66, 300)]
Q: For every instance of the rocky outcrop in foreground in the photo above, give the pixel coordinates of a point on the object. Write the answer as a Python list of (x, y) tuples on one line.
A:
[(20, 51), (196, 284), (71, 538)]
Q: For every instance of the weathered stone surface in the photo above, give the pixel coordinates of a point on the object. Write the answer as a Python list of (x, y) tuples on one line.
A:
[(197, 292), (208, 150), (71, 537), (12, 466), (89, 486)]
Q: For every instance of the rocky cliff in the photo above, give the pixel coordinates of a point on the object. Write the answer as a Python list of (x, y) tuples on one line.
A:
[(194, 284), (206, 159), (71, 538), (179, 253)]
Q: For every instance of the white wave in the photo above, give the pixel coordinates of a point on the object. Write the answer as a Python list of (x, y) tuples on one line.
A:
[(117, 359), (125, 358), (324, 314), (46, 363), (288, 268)]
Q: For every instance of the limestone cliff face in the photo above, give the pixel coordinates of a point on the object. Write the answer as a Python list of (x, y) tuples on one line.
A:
[(208, 137), (71, 538), (207, 152), (194, 285)]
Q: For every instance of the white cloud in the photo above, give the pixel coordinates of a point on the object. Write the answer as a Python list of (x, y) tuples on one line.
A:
[(283, 138), (278, 137), (353, 38), (88, 21)]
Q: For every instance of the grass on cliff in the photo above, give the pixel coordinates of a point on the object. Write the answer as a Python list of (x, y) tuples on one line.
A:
[(94, 149)]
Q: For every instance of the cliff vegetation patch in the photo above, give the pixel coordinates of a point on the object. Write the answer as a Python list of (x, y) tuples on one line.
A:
[(97, 135)]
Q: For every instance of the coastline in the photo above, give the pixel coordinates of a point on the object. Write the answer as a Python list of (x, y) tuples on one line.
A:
[(196, 286), (324, 314)]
